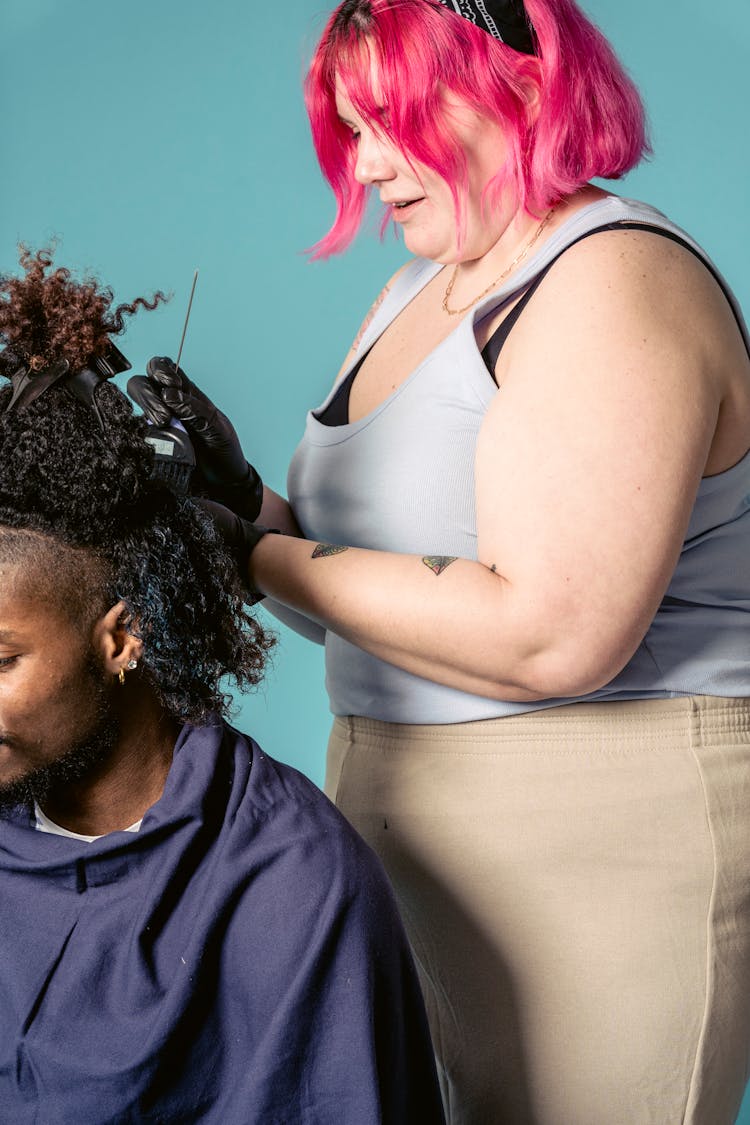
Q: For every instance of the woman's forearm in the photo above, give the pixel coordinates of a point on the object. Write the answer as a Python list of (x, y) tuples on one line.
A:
[(297, 622), (453, 621), (277, 513)]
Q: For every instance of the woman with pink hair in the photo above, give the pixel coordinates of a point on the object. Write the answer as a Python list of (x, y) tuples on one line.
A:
[(520, 524)]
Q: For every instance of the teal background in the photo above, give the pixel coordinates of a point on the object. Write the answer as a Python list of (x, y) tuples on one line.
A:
[(161, 136)]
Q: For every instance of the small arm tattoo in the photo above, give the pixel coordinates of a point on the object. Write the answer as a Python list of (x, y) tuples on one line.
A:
[(438, 563), (325, 550)]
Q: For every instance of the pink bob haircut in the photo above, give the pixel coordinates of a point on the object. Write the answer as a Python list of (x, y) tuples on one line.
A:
[(589, 120)]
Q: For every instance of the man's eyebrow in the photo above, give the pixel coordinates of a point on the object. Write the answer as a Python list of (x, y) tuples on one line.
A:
[(7, 635)]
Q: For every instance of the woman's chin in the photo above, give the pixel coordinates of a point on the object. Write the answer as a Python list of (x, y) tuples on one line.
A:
[(421, 245)]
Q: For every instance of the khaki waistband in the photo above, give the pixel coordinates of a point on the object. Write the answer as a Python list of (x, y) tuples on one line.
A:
[(637, 721)]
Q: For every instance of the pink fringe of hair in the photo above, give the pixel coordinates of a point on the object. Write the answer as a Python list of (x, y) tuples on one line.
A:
[(590, 119)]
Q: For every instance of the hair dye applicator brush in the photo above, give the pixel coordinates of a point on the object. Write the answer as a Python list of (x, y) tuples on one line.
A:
[(174, 457)]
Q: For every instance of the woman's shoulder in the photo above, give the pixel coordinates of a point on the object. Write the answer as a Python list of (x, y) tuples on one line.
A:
[(626, 281), (615, 246), (590, 209)]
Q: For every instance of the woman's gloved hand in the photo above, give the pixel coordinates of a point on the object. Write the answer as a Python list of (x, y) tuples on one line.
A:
[(223, 473), (240, 538)]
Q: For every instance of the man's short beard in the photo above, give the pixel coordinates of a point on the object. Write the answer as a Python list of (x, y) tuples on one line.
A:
[(75, 765)]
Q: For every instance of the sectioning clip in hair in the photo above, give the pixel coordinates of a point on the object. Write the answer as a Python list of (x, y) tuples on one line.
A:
[(29, 384), (84, 383)]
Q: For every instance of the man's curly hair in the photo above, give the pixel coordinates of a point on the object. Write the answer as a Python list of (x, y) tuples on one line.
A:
[(46, 315), (93, 526)]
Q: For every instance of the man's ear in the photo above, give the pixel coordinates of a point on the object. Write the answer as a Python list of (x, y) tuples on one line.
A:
[(112, 639)]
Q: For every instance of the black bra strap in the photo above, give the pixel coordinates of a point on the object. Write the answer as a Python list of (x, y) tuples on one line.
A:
[(494, 345)]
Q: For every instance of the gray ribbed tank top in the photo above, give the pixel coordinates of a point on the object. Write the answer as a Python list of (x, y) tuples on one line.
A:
[(402, 479)]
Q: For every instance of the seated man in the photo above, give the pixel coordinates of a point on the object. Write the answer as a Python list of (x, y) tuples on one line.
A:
[(190, 932)]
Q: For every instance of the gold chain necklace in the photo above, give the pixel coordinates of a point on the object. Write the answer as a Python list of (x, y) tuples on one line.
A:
[(493, 284)]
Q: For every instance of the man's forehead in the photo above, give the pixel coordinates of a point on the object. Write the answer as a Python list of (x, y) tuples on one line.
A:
[(32, 622), (18, 581), (18, 616), (25, 602), (15, 586)]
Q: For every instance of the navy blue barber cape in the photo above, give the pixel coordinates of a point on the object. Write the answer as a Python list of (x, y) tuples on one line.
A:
[(239, 960)]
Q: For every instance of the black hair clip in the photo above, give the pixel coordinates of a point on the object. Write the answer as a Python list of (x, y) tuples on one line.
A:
[(84, 383), (29, 385)]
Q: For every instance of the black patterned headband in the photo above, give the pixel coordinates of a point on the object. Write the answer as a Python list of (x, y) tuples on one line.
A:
[(505, 20)]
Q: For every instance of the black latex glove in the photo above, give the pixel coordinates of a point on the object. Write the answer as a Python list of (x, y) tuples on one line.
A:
[(164, 393), (240, 538)]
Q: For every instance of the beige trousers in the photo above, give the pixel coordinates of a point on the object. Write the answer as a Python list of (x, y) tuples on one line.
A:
[(576, 887)]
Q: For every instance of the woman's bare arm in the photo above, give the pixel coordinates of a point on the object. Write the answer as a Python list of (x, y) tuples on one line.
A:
[(277, 513)]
